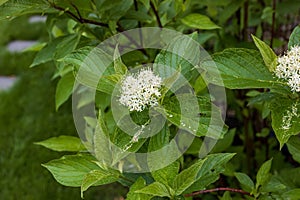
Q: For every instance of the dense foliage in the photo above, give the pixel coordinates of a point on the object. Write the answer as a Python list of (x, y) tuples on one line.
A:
[(254, 156)]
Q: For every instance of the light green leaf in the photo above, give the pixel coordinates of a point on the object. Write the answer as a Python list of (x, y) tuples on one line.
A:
[(181, 110), (294, 148), (102, 144), (98, 177), (263, 176), (239, 69), (294, 37), (119, 66), (3, 1), (167, 174), (70, 170), (160, 139), (139, 184), (64, 89), (14, 8), (245, 180), (199, 21), (267, 54), (63, 143), (181, 55), (291, 194), (285, 118), (94, 68), (201, 168), (155, 189)]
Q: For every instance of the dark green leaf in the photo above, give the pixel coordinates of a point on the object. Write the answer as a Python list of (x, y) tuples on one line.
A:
[(47, 53), (201, 168), (64, 89), (294, 148), (15, 8), (63, 143), (139, 184), (239, 69), (245, 180), (263, 175)]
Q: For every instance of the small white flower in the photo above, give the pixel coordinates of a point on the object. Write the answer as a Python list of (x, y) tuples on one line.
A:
[(140, 90), (288, 68)]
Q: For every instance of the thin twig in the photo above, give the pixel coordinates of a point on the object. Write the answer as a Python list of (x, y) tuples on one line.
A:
[(273, 23), (156, 14), (216, 190), (245, 30), (78, 18)]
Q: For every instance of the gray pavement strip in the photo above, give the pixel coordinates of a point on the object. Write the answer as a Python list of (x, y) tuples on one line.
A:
[(7, 82)]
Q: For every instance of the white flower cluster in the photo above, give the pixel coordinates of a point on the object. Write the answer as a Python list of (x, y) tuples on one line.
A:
[(288, 68), (140, 90)]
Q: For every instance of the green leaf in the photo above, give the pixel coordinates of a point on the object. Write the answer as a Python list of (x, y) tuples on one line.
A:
[(201, 168), (119, 66), (226, 196), (64, 89), (181, 55), (47, 53), (263, 176), (273, 185), (294, 148), (239, 69), (94, 68), (139, 184), (291, 194), (66, 46), (245, 181), (285, 118), (267, 53), (98, 177), (14, 8), (229, 10), (63, 143), (167, 174), (181, 110), (294, 37), (155, 189), (3, 1), (70, 170), (102, 144), (160, 139), (199, 21), (204, 181)]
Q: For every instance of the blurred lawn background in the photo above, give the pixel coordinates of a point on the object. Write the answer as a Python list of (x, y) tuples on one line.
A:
[(28, 115)]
